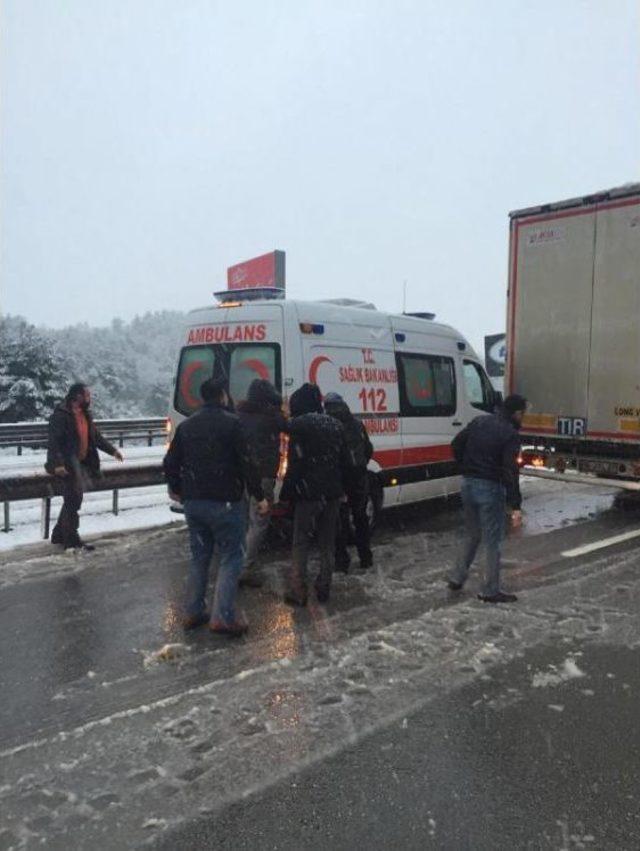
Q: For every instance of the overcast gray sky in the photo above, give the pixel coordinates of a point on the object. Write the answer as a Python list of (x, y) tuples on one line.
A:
[(149, 144)]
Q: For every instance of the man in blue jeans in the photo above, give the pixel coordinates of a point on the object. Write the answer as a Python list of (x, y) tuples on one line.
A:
[(208, 467), (487, 452)]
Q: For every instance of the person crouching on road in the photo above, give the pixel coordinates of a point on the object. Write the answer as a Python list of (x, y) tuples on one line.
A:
[(360, 450), (317, 462), (263, 423), (487, 450), (72, 455), (207, 467)]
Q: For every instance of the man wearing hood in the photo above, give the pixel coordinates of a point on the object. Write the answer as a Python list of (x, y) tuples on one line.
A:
[(262, 423), (359, 450), (487, 451), (72, 456), (317, 465)]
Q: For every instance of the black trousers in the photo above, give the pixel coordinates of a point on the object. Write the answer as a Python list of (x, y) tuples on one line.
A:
[(324, 514), (65, 531), (355, 508)]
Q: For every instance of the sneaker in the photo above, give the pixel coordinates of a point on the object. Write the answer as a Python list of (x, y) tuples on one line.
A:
[(235, 630), (454, 586), (194, 621), (500, 597)]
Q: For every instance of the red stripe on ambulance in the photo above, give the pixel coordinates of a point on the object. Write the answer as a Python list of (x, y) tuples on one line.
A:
[(412, 456)]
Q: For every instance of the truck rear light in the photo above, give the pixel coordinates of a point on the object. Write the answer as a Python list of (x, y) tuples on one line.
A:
[(532, 458)]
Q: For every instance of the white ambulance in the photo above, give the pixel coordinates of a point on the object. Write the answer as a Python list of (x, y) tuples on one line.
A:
[(414, 382)]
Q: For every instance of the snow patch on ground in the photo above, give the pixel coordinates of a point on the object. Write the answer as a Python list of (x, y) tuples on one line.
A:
[(554, 676)]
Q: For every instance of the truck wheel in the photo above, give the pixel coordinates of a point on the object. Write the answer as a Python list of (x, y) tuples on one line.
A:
[(375, 499)]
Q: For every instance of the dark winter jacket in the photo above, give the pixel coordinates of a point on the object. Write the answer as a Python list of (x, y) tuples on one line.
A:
[(488, 448), (359, 446), (209, 459), (263, 423), (64, 444), (317, 461)]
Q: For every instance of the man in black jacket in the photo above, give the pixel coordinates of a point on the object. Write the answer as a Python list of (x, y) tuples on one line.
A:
[(72, 456), (263, 423), (359, 451), (207, 468), (487, 450), (314, 482)]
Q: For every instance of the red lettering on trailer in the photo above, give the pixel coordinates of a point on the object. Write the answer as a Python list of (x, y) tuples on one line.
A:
[(227, 334)]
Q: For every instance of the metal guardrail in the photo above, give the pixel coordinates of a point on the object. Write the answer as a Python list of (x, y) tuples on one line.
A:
[(17, 488), (34, 435)]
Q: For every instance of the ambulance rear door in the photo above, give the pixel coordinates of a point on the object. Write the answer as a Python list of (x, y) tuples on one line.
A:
[(238, 344)]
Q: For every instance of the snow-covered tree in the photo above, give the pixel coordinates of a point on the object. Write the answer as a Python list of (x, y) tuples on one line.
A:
[(32, 371)]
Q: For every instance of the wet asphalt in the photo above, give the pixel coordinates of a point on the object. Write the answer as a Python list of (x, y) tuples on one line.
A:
[(455, 756), (476, 770)]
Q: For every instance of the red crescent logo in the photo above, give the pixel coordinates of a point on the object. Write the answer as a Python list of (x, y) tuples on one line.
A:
[(256, 366), (315, 365), (185, 383)]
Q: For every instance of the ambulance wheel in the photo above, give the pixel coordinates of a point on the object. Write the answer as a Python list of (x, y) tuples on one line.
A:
[(374, 500)]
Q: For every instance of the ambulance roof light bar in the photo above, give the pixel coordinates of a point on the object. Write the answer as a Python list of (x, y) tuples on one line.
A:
[(249, 294)]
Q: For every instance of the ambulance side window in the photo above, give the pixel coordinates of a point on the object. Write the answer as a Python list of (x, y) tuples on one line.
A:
[(197, 363), (479, 391), (427, 385)]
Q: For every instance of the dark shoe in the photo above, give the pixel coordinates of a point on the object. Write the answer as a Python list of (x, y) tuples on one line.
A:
[(454, 586), (366, 561), (342, 565), (235, 629), (80, 546), (251, 580), (294, 600), (194, 621), (56, 537), (323, 592), (500, 597)]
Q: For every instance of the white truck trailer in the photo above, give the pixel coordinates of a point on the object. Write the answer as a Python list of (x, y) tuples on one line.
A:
[(573, 332)]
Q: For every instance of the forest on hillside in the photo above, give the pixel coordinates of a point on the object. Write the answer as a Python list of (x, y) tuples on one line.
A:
[(129, 366)]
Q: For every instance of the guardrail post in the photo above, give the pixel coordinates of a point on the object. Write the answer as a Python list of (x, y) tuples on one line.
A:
[(116, 501), (19, 447), (121, 440), (150, 442), (7, 524), (45, 517)]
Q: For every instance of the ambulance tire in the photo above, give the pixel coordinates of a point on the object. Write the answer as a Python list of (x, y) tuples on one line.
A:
[(375, 500)]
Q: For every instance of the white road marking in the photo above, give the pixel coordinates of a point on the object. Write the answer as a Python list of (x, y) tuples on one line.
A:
[(601, 544)]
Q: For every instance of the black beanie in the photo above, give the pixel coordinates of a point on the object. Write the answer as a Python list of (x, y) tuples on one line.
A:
[(306, 400), (514, 403)]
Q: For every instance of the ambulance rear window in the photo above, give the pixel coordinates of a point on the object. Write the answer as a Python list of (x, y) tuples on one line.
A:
[(239, 364)]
